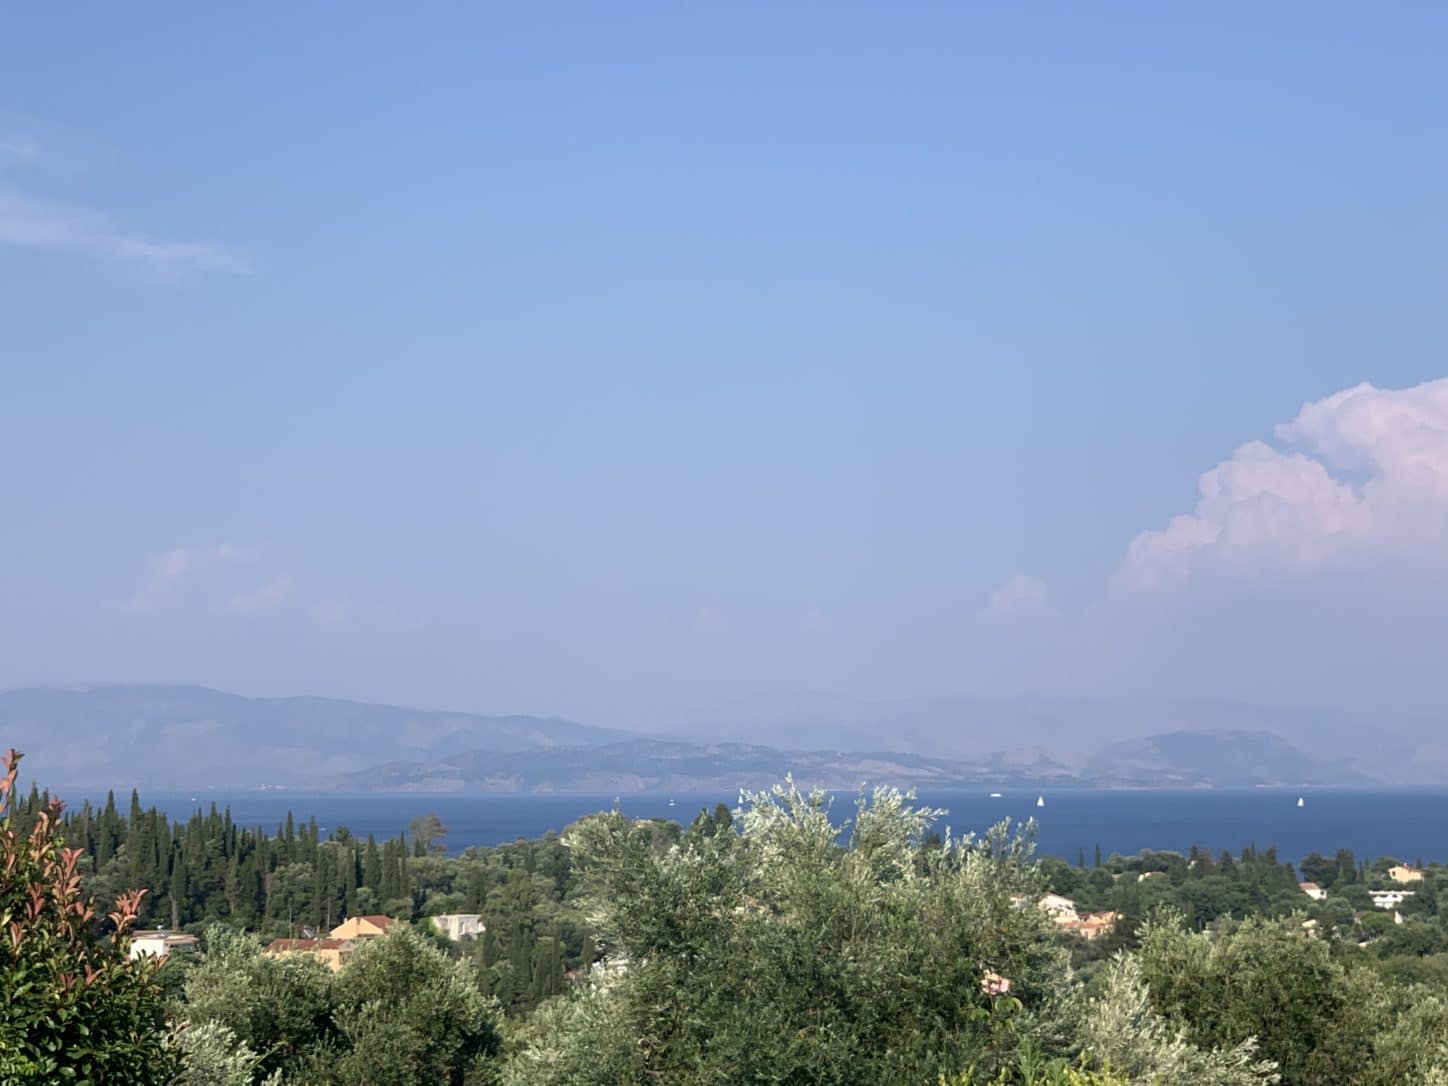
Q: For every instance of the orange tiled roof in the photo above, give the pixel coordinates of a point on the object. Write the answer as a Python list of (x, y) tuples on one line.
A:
[(280, 945)]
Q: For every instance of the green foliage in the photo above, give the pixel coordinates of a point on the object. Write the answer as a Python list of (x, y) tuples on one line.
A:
[(778, 955), (1034, 1072), (279, 1006), (72, 1009), (766, 944), (1121, 1026), (1310, 1014), (211, 1055), (399, 1013), (400, 1004)]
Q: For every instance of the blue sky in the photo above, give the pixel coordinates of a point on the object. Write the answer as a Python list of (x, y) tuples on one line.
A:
[(610, 360)]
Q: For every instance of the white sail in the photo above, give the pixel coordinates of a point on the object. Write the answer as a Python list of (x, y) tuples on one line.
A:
[(1040, 801), (1300, 803)]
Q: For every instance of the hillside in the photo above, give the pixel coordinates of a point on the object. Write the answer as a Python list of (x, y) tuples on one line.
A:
[(185, 737), (189, 737)]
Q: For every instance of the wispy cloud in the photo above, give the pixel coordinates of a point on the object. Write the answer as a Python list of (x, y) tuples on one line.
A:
[(1021, 599), (1359, 480), (169, 573), (28, 221), (268, 597)]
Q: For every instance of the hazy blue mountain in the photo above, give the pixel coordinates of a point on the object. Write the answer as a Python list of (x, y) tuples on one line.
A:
[(1402, 749), (1195, 758), (1222, 759), (189, 737), (182, 737)]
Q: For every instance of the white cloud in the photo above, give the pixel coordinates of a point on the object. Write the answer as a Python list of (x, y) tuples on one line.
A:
[(257, 601), (1021, 599), (1359, 480), (29, 222)]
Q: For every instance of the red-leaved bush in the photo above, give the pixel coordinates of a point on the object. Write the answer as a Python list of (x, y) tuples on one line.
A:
[(72, 1007)]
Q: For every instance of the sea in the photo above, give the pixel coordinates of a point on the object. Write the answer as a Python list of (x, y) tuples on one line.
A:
[(1408, 825)]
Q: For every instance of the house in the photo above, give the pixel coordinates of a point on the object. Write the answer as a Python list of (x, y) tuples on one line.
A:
[(1402, 873), (159, 943), (330, 952), (458, 926), (1389, 899), (1055, 903), (333, 949), (364, 927), (1095, 925), (1312, 890)]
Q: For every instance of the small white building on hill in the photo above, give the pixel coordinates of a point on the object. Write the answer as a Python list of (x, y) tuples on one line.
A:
[(159, 943), (459, 926)]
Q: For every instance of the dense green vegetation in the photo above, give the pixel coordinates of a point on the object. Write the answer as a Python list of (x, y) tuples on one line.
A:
[(770, 944), (208, 870)]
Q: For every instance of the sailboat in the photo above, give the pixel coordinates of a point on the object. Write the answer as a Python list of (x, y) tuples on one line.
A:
[(1040, 801), (1300, 803)]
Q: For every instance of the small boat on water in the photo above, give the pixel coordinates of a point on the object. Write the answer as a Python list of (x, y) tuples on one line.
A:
[(1040, 801), (995, 795), (671, 802), (1300, 803)]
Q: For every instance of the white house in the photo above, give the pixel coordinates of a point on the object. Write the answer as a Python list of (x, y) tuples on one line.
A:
[(159, 943), (1055, 903), (1404, 873), (459, 926), (1389, 899), (1312, 890)]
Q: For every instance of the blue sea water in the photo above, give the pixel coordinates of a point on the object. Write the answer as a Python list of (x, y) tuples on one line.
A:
[(1408, 825)]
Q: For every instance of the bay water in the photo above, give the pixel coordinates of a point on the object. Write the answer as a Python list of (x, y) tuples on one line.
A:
[(1409, 825)]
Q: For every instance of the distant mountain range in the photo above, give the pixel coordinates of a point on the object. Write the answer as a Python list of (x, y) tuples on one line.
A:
[(183, 737), (651, 765), (189, 736)]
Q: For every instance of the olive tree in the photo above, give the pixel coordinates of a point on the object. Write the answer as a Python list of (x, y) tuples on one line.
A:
[(802, 949)]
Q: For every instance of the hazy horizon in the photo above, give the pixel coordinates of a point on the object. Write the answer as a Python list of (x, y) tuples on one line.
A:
[(624, 366)]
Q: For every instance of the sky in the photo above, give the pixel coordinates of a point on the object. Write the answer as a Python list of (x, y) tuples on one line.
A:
[(612, 360)]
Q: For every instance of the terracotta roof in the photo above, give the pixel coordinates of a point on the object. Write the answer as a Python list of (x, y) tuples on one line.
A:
[(379, 921), (279, 945)]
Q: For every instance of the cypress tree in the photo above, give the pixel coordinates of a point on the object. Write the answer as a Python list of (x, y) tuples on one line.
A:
[(372, 866), (178, 887)]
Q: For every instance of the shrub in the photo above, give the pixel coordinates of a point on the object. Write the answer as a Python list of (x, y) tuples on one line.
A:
[(74, 1009)]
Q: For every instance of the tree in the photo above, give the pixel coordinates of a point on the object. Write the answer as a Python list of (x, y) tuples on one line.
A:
[(1312, 1016), (794, 951), (73, 1008), (211, 1055), (1122, 1029), (278, 1007), (429, 835), (408, 1015)]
